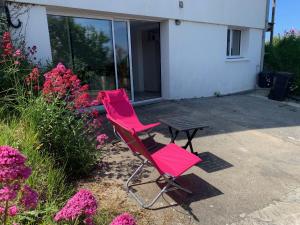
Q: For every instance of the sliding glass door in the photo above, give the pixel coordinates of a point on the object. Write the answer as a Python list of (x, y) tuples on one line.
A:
[(122, 55), (97, 50)]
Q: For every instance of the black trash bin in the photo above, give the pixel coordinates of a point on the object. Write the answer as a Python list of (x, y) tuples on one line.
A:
[(281, 86), (265, 79)]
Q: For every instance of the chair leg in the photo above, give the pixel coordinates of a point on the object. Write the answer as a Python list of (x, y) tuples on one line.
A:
[(170, 186), (134, 174), (116, 134)]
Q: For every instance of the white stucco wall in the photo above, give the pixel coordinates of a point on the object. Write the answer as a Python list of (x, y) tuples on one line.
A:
[(197, 64), (35, 30)]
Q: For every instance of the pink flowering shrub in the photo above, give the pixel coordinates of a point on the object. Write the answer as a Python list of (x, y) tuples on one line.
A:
[(65, 118), (14, 195), (81, 207), (124, 219), (15, 62), (7, 46), (61, 83), (33, 79)]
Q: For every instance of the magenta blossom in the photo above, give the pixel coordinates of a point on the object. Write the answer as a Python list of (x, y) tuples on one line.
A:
[(13, 173), (61, 68), (101, 139), (124, 219), (12, 165), (29, 198), (13, 211), (82, 204), (89, 221), (8, 192)]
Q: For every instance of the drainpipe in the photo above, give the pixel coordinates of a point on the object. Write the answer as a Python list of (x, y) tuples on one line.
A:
[(5, 10), (264, 35), (273, 21)]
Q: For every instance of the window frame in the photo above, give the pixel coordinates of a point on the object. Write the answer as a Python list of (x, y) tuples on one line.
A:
[(230, 32)]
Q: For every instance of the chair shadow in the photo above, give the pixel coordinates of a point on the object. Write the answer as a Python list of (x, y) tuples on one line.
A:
[(200, 189), (212, 163)]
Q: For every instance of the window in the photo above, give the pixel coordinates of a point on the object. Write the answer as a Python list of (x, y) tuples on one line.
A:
[(234, 37), (96, 49)]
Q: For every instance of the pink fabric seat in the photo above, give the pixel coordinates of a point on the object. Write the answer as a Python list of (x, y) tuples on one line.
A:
[(118, 107), (174, 160)]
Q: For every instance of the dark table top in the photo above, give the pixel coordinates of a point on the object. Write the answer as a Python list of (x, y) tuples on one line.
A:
[(183, 123)]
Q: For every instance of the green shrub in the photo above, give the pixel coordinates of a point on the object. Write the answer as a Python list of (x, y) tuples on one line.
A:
[(284, 55), (63, 135), (46, 178)]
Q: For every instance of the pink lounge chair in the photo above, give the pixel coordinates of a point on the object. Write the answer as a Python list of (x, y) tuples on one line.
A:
[(171, 161), (118, 107)]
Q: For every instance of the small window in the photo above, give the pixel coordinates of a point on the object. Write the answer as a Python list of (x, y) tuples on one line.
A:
[(234, 43)]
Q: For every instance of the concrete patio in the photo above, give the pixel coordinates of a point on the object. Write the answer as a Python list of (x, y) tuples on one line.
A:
[(251, 169)]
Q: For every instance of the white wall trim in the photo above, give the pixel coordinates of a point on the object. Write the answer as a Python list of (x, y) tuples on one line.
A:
[(249, 13)]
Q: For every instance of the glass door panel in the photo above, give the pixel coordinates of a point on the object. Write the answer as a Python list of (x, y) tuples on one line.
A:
[(60, 40), (122, 55), (93, 58)]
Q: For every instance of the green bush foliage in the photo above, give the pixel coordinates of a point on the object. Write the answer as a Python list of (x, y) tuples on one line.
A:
[(62, 134), (284, 55)]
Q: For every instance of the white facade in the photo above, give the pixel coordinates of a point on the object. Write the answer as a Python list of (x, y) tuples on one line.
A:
[(193, 53)]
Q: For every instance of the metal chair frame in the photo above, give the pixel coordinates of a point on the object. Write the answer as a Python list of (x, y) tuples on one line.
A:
[(171, 185)]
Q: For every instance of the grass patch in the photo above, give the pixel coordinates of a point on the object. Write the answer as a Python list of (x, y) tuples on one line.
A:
[(48, 180)]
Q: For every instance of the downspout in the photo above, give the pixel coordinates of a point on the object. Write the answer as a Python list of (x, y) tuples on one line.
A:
[(9, 19), (264, 36)]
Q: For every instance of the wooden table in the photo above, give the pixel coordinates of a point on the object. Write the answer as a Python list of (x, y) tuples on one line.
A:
[(188, 125)]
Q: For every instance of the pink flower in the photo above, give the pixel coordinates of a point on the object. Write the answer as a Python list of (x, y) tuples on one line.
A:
[(33, 77), (95, 102), (62, 83), (82, 101), (95, 113), (7, 45), (83, 203), (124, 219), (8, 193), (13, 173), (61, 68), (89, 221), (84, 87), (101, 139), (13, 211), (18, 53), (17, 62), (29, 198), (12, 165)]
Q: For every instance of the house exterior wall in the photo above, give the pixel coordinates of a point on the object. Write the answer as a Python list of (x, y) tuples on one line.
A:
[(198, 66), (193, 54), (35, 30)]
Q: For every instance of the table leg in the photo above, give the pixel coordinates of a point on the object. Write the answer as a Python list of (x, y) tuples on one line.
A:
[(173, 136), (190, 138)]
